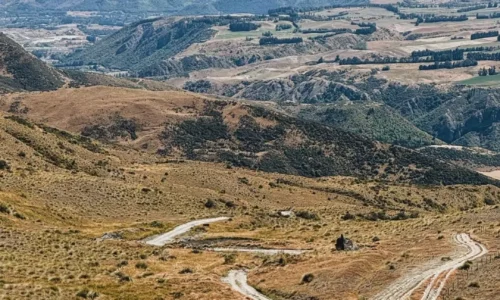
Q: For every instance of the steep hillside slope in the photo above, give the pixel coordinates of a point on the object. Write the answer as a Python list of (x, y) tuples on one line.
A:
[(460, 115), (371, 119), (144, 44), (174, 47), (19, 70), (186, 125), (470, 119)]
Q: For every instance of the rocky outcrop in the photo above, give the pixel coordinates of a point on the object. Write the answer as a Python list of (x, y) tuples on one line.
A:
[(344, 244)]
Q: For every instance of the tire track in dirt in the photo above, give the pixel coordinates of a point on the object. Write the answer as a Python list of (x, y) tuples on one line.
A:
[(170, 236), (436, 273), (237, 279)]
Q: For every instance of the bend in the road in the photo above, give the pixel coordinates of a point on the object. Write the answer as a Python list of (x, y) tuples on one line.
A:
[(170, 236), (237, 279)]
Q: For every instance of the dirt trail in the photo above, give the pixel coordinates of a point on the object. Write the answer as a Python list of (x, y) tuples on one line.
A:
[(261, 251), (436, 273), (170, 236), (237, 279)]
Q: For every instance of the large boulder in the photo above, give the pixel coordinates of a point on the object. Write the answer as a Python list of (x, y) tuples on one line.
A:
[(344, 244)]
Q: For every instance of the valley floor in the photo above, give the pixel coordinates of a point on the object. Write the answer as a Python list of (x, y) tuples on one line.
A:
[(55, 252)]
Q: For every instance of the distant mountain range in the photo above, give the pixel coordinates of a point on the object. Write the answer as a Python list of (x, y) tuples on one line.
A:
[(184, 7), (410, 116), (21, 71), (154, 47)]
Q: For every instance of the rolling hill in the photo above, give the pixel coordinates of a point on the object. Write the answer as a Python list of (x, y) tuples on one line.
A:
[(21, 71), (385, 110), (175, 47), (90, 205), (145, 44), (185, 125)]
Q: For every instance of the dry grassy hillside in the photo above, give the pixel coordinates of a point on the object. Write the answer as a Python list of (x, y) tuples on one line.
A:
[(182, 124), (75, 109), (52, 210)]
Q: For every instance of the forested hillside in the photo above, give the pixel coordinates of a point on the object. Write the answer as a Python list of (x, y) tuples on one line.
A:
[(142, 45), (19, 70), (188, 126), (374, 120), (409, 115), (257, 138)]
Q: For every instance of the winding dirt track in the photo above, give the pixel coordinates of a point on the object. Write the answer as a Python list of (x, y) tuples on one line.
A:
[(261, 251), (237, 279), (434, 274), (170, 236)]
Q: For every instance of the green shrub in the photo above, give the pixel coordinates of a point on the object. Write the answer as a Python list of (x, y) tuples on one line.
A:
[(229, 258), (19, 216), (141, 265), (83, 293), (466, 266), (348, 216), (186, 271), (4, 209), (156, 224), (4, 165), (307, 215), (489, 201), (210, 203), (307, 278)]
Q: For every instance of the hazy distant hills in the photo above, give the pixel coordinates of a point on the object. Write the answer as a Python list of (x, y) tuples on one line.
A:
[(168, 6), (21, 71), (200, 128), (143, 45)]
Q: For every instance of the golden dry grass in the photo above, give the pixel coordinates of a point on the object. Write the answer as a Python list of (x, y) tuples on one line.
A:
[(48, 247)]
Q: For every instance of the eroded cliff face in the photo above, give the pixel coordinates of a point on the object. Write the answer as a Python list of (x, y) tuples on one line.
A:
[(454, 114), (231, 54)]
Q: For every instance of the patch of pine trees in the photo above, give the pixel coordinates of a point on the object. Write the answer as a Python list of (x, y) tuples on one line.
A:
[(485, 72), (449, 65), (366, 28), (471, 8), (494, 15), (435, 19), (243, 26), (457, 54), (482, 35), (275, 41), (484, 56)]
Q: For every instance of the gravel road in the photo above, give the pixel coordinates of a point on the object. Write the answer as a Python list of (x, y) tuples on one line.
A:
[(237, 279), (170, 236)]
